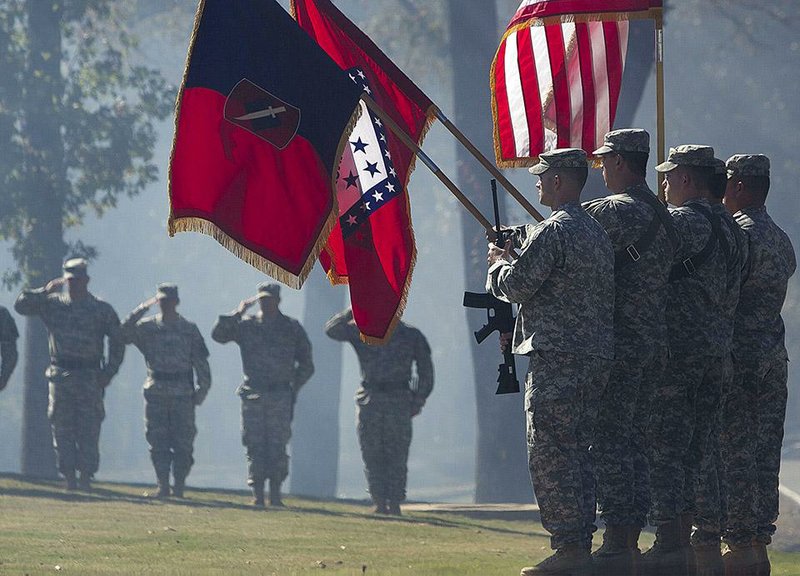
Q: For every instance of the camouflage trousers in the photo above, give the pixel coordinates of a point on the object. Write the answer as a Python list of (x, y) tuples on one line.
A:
[(750, 446), (170, 431), (384, 434), (76, 412), (683, 411), (710, 498), (620, 447), (562, 393), (266, 430)]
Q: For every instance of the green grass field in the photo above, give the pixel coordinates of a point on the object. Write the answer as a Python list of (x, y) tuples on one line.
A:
[(118, 530)]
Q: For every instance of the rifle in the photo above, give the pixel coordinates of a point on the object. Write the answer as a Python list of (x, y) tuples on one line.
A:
[(500, 316)]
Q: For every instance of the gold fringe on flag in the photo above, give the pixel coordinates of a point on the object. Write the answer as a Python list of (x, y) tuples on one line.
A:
[(194, 224)]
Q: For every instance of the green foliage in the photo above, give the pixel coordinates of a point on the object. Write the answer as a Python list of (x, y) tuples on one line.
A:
[(105, 104)]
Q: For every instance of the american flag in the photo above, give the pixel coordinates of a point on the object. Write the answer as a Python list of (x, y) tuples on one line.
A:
[(557, 75)]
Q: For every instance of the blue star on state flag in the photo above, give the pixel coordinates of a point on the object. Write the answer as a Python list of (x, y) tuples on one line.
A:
[(367, 177)]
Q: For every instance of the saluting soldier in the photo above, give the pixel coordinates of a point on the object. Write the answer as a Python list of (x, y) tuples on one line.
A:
[(8, 346), (276, 359), (688, 400), (563, 280), (755, 407), (388, 398), (174, 352), (78, 324), (644, 241)]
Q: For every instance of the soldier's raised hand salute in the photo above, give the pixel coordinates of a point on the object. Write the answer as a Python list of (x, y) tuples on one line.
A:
[(245, 305), (55, 285)]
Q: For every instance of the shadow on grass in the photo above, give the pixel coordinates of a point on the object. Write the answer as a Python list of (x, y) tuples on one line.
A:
[(209, 498)]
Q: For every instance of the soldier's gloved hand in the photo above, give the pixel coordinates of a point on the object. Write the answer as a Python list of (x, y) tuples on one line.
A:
[(245, 304), (199, 396), (497, 253), (54, 285), (505, 341)]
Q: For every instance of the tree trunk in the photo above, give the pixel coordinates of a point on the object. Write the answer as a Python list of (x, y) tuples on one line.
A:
[(315, 446), (44, 246), (501, 462)]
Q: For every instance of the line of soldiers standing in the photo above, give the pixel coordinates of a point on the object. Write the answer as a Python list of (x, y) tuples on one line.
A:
[(276, 360), (657, 382)]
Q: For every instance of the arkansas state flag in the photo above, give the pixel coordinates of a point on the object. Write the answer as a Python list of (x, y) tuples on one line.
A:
[(372, 247), (262, 118)]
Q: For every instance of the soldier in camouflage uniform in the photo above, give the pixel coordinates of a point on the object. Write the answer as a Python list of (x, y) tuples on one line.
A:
[(174, 352), (710, 497), (8, 346), (563, 281), (78, 323), (276, 359), (755, 407), (389, 397), (701, 288), (644, 241)]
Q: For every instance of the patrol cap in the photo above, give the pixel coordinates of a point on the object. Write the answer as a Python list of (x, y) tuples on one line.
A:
[(560, 158), (625, 140), (747, 165), (719, 166), (166, 291), (269, 290), (76, 268), (688, 155)]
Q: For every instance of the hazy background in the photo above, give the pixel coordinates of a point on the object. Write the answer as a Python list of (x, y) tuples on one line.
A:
[(732, 79)]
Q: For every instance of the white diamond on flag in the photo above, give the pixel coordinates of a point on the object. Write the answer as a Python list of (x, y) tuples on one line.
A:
[(367, 179)]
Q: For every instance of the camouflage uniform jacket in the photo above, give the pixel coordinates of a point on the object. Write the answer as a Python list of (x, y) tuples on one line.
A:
[(640, 324), (696, 303), (171, 351), (76, 328), (759, 329), (274, 350), (563, 281), (388, 363), (738, 254)]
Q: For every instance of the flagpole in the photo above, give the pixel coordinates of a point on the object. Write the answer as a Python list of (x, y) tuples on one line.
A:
[(659, 25), (414, 147), (493, 170)]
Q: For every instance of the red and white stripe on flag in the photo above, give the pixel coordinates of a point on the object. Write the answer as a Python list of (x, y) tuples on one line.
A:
[(557, 75)]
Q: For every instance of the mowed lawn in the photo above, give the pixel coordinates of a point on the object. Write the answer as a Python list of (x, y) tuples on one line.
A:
[(118, 530)]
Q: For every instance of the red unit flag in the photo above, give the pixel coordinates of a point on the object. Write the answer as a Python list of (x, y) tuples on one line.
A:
[(372, 248), (263, 116), (557, 75)]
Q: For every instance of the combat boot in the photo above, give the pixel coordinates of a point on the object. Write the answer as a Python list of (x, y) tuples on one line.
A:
[(393, 508), (741, 560), (275, 494), (380, 506), (163, 486), (667, 557), (179, 487), (85, 482), (571, 560), (70, 483), (763, 568), (617, 555), (708, 559), (258, 493)]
